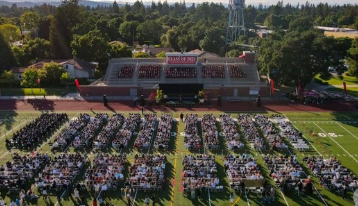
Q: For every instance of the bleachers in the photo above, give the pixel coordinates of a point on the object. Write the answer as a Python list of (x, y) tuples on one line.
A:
[(149, 71), (213, 71), (126, 71)]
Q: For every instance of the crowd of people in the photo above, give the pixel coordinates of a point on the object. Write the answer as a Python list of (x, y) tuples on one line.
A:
[(86, 137), (164, 132), (200, 172), (60, 171), (180, 72), (73, 128), (250, 132), (107, 133), (210, 132), (149, 71), (288, 130), (192, 139), (13, 175), (331, 173), (126, 71), (285, 170), (213, 71), (106, 172), (124, 135), (37, 130), (147, 172), (146, 133), (270, 132), (240, 168), (230, 132), (236, 72)]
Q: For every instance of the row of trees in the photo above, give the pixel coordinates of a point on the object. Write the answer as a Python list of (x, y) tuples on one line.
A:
[(71, 30), (52, 74)]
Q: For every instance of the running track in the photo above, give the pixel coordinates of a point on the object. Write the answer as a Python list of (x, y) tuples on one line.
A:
[(268, 105)]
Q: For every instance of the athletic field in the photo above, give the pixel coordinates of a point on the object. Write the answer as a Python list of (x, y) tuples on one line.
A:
[(328, 133)]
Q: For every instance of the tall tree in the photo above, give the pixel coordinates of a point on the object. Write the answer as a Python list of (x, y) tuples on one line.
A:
[(30, 20), (67, 15), (29, 77), (128, 30), (51, 73), (149, 31), (92, 46), (7, 59), (353, 58), (119, 50), (11, 33), (115, 7)]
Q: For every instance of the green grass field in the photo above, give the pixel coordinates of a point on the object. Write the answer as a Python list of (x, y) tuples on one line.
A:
[(335, 135), (37, 91), (334, 80), (353, 91)]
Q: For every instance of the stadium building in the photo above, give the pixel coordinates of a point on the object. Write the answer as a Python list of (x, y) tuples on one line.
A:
[(180, 74)]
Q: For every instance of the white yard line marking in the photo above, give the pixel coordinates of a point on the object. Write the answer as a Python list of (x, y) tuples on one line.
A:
[(247, 200), (347, 130), (306, 139), (14, 128), (284, 198), (336, 143)]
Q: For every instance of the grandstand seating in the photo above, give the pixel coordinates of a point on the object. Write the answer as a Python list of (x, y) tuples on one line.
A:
[(149, 71), (126, 71), (181, 72), (213, 71)]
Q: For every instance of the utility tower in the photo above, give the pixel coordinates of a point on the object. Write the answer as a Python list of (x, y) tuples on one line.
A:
[(236, 23)]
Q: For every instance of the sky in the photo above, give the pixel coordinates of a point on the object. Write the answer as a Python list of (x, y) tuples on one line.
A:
[(256, 2), (225, 2)]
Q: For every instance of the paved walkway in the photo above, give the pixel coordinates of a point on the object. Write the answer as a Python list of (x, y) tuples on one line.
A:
[(240, 106)]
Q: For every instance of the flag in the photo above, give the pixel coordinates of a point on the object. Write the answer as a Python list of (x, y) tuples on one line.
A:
[(77, 84), (38, 80), (272, 87), (345, 87)]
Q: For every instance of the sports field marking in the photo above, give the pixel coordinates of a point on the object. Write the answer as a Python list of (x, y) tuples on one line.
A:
[(247, 200), (347, 130), (14, 128), (150, 145), (236, 201), (336, 143), (306, 139), (175, 168)]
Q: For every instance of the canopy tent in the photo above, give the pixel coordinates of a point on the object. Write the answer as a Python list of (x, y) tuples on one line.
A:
[(311, 93), (311, 96)]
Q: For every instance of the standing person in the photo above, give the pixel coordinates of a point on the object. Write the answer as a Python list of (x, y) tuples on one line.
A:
[(231, 197), (181, 116), (146, 200), (344, 191), (44, 193), (76, 193), (153, 199), (129, 198), (94, 202), (219, 101), (104, 189), (58, 194), (258, 101), (272, 193), (105, 101), (180, 99)]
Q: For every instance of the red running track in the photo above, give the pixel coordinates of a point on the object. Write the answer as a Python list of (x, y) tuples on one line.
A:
[(241, 106)]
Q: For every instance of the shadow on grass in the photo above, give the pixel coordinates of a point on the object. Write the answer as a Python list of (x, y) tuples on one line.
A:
[(161, 196), (42, 104)]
